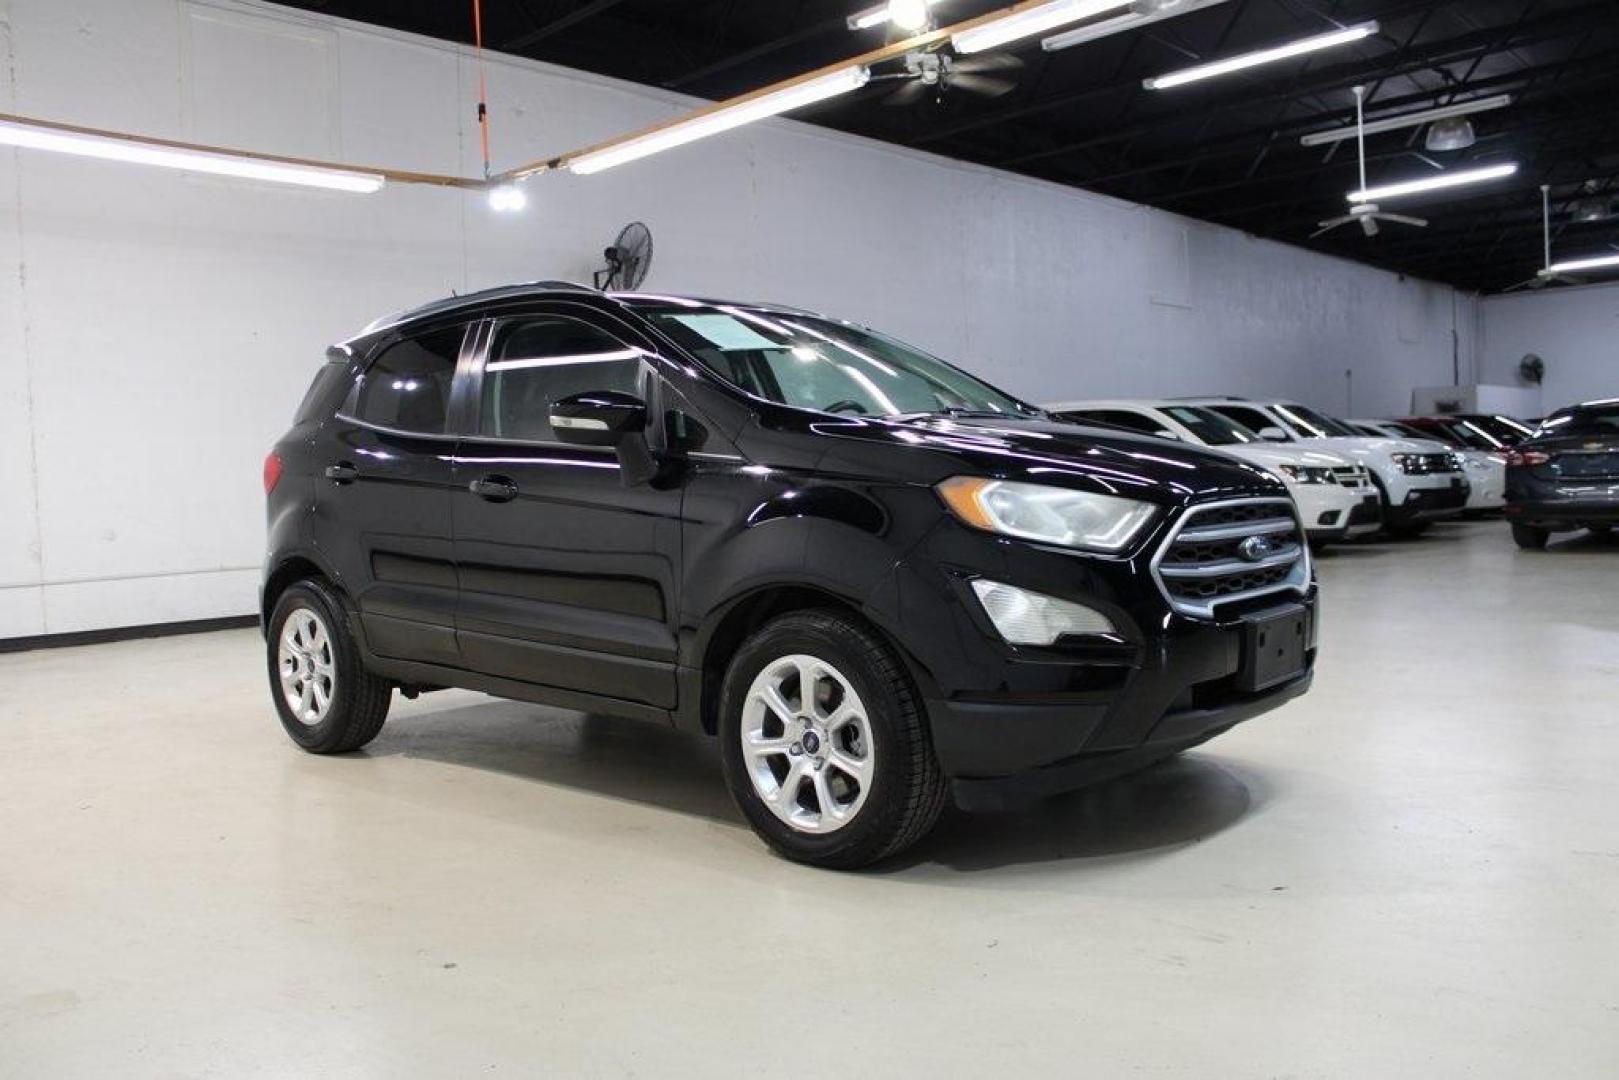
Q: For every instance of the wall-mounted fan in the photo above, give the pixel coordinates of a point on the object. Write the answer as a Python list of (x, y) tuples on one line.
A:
[(1532, 369), (628, 259), (1367, 213), (1546, 275), (937, 74)]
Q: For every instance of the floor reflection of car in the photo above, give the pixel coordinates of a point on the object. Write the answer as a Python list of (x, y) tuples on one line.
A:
[(1566, 474), (1483, 456), (1335, 495), (1420, 480)]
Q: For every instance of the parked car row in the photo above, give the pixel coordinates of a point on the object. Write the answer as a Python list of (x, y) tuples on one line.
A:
[(1346, 482)]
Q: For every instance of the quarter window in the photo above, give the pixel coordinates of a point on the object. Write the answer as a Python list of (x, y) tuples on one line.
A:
[(536, 362), (408, 388)]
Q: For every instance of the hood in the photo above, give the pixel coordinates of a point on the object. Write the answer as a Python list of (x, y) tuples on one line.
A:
[(1368, 446), (1040, 451), (1271, 455)]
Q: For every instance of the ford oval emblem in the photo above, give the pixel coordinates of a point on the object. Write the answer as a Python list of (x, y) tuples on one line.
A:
[(1254, 548)]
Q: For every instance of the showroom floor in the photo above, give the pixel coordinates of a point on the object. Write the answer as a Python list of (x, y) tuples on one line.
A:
[(1412, 871)]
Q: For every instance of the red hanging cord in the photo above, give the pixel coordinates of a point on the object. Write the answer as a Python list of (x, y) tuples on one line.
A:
[(483, 87)]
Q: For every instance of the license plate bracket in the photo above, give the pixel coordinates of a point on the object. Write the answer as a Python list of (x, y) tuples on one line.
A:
[(1274, 647)]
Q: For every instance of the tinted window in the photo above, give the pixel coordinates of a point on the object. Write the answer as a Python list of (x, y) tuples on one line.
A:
[(1210, 426), (1318, 424), (1590, 420), (408, 388), (535, 362), (324, 391), (1249, 417), (1123, 418)]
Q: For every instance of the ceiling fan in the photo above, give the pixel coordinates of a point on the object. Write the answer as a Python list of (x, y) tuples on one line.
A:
[(1367, 213), (1546, 275), (936, 73)]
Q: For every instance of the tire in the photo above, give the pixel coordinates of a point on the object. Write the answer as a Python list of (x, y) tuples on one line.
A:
[(1530, 538), (877, 766), (310, 639)]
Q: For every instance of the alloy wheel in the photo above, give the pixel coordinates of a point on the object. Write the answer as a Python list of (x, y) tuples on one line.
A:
[(807, 744), (305, 663)]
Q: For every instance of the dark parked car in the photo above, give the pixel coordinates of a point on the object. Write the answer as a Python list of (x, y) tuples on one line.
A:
[(880, 581), (1566, 475)]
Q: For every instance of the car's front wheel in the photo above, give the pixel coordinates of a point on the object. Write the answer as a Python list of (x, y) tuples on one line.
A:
[(326, 699), (825, 743)]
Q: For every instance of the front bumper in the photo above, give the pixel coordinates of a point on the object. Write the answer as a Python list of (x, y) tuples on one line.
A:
[(1428, 503), (1366, 516), (1179, 689), (1488, 488), (1177, 731), (1332, 512)]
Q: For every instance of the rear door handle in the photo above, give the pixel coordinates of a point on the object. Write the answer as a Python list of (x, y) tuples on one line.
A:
[(494, 488), (342, 473)]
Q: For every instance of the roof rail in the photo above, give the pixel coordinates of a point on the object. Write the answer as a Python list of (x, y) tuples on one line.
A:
[(454, 301)]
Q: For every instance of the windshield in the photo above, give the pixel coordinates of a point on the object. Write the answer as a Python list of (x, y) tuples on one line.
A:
[(1508, 430), (1468, 434), (1311, 423), (1587, 420), (1210, 427), (815, 363)]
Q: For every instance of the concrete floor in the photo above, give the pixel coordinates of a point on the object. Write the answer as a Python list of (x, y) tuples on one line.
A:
[(1414, 871)]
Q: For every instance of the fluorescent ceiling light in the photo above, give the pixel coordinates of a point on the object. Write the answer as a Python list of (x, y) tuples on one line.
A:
[(1082, 34), (1416, 119), (720, 118), (1433, 183), (876, 16), (1597, 263), (1300, 47), (1024, 20), (138, 152)]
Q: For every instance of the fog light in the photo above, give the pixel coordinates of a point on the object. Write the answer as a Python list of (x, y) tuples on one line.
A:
[(1031, 618)]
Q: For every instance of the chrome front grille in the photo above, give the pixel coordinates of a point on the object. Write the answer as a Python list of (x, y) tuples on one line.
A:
[(1430, 464), (1229, 551), (1352, 476)]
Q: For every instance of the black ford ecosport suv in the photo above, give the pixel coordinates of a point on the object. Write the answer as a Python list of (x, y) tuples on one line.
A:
[(879, 581)]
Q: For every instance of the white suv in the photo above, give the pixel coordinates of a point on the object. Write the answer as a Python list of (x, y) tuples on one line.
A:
[(1335, 496), (1484, 457), (1420, 480)]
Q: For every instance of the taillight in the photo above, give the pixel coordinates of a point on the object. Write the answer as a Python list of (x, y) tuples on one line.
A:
[(1527, 457), (272, 471)]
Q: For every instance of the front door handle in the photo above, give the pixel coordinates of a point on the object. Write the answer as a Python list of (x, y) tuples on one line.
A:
[(342, 473), (494, 488)]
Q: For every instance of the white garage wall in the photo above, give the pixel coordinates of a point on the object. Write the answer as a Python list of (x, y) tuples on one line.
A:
[(157, 329), (1576, 331)]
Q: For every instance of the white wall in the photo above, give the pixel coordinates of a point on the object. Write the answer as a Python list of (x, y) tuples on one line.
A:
[(1575, 330), (157, 329)]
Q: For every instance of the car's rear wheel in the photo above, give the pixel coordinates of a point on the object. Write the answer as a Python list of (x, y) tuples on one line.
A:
[(825, 743), (1529, 538), (327, 701)]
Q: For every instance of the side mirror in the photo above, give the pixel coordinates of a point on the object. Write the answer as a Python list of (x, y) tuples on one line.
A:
[(1272, 434), (1165, 433), (598, 418)]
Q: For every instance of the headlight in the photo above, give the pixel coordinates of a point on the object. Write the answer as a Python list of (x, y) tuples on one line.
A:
[(1031, 618), (1408, 463), (1307, 474), (1051, 515)]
